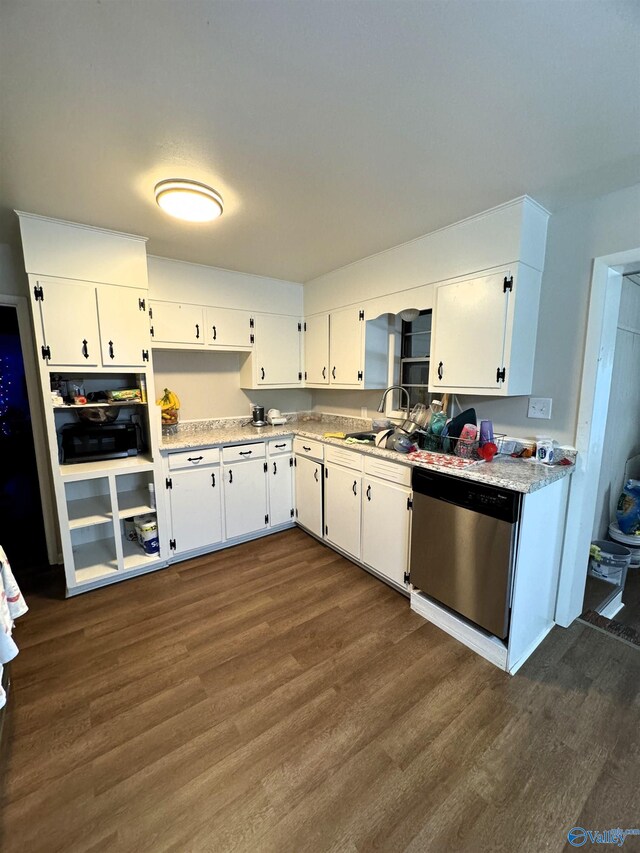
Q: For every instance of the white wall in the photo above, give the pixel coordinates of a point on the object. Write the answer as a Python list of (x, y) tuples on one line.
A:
[(208, 385), (13, 279), (622, 436)]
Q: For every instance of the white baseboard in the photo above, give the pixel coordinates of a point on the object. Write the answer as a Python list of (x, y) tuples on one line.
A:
[(483, 644), (529, 650), (613, 607)]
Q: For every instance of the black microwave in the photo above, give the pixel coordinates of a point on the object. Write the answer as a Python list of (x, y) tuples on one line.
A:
[(92, 442)]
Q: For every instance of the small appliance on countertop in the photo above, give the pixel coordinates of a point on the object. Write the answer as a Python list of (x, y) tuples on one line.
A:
[(257, 416), (275, 417)]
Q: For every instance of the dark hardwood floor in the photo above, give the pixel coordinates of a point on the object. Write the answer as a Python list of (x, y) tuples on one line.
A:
[(274, 697)]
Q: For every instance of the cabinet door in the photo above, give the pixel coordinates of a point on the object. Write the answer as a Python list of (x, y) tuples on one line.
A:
[(175, 323), (277, 350), (226, 327), (308, 479), (316, 350), (70, 324), (346, 347), (468, 333), (342, 508), (280, 476), (196, 516), (245, 498), (124, 326), (385, 528)]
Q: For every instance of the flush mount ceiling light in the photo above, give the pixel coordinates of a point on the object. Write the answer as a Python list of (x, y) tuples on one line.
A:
[(189, 200), (409, 315)]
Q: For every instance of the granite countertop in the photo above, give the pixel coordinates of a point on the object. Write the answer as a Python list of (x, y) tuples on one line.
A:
[(519, 475)]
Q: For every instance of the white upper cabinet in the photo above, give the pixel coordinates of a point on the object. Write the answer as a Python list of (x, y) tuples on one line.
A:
[(484, 333), (344, 349), (276, 357), (316, 350), (177, 323), (69, 323), (124, 326), (228, 329)]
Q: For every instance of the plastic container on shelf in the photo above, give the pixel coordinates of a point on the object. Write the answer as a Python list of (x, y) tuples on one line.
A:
[(610, 561)]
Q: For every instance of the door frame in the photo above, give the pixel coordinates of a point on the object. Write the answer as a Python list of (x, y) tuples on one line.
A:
[(600, 344), (34, 398)]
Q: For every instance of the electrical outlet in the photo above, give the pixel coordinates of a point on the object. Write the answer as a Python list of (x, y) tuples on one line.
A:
[(539, 407)]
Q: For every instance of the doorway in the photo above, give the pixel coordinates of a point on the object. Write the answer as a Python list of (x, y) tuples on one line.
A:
[(22, 531)]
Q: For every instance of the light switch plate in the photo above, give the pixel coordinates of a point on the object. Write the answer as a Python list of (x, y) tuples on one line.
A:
[(539, 407)]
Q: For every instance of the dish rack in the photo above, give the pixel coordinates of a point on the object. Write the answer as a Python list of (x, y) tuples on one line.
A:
[(463, 447)]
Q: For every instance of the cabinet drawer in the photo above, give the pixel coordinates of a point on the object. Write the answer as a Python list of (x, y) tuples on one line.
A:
[(309, 447), (391, 471), (238, 452), (346, 458), (280, 445), (193, 458)]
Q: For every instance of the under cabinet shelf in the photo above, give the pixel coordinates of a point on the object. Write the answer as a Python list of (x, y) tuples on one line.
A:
[(134, 556), (93, 560), (85, 512), (135, 502), (69, 407), (86, 470)]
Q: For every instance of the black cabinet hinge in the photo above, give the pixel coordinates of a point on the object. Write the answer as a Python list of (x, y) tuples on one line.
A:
[(360, 315), (299, 327), (151, 332), (266, 519), (142, 305), (305, 376), (304, 326), (507, 284), (409, 503), (252, 323), (38, 293), (501, 374), (252, 339), (145, 355), (407, 577), (291, 462), (359, 376), (150, 312), (172, 544), (326, 473), (46, 352), (326, 530), (299, 375), (296, 513), (168, 483), (292, 513), (265, 467)]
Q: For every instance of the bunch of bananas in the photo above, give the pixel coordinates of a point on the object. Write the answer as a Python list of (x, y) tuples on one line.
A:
[(169, 403)]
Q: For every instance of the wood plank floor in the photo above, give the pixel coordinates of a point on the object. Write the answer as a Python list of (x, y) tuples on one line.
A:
[(274, 697)]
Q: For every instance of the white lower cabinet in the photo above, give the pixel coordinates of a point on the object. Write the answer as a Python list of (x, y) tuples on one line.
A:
[(385, 528), (308, 480), (342, 516), (280, 479), (196, 508), (245, 497)]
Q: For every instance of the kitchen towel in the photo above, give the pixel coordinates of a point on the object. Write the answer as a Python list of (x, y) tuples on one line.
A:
[(12, 605)]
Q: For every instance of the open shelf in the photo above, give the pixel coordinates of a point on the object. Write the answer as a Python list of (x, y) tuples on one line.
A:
[(81, 470), (133, 555), (94, 560), (118, 404), (135, 502), (87, 511)]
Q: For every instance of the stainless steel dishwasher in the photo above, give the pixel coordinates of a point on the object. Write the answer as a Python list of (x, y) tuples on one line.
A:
[(463, 544)]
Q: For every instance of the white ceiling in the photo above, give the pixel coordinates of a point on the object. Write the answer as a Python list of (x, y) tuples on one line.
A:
[(332, 129)]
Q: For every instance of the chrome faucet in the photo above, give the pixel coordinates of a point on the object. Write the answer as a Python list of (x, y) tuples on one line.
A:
[(394, 388)]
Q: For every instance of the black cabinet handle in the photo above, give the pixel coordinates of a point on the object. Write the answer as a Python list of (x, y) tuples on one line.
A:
[(213, 479), (245, 452), (304, 447), (262, 372), (195, 458), (111, 355), (315, 475), (231, 476), (355, 492), (368, 493), (197, 331), (85, 349), (333, 373), (215, 334), (324, 372), (440, 371), (279, 446), (275, 470)]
